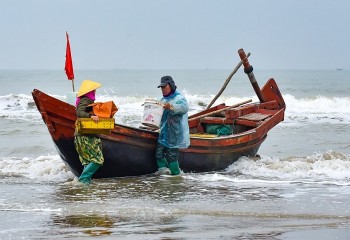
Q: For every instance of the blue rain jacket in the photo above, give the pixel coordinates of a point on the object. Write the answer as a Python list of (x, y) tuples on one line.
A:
[(174, 130)]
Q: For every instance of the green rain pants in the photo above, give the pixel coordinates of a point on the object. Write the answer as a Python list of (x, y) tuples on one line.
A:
[(168, 158), (89, 148)]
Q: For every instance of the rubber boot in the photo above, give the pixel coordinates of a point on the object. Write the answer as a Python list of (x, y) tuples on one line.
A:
[(174, 168), (162, 163), (88, 172), (162, 167)]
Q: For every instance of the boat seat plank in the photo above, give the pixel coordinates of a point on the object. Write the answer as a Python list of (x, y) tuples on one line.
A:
[(252, 119), (251, 108), (255, 116), (213, 109), (248, 123), (217, 120)]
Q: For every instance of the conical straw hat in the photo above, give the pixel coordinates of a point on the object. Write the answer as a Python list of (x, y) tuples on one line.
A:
[(88, 86)]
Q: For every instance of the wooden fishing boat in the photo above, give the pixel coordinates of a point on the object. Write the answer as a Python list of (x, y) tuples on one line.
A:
[(130, 151)]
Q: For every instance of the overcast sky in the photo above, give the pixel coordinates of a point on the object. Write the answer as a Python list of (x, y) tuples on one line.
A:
[(175, 34)]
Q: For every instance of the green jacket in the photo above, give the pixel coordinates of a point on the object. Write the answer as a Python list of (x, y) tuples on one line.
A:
[(83, 111)]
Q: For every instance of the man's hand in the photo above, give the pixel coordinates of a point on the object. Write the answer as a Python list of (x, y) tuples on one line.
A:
[(167, 106)]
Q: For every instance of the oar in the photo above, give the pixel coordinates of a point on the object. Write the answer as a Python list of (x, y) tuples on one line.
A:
[(220, 110), (248, 69), (227, 81)]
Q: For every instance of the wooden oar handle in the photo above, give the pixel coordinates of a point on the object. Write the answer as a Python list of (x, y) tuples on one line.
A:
[(247, 67)]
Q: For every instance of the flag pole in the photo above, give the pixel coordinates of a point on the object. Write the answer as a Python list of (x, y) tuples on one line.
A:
[(73, 85)]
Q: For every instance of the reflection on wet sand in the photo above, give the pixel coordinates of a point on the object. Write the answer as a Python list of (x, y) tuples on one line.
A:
[(165, 207), (93, 225), (165, 188)]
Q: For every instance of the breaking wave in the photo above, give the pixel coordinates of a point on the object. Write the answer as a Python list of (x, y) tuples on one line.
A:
[(319, 109), (328, 168)]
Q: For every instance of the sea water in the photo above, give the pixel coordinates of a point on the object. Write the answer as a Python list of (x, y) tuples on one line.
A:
[(298, 189)]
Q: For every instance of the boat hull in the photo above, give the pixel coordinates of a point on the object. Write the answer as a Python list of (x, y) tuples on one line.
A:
[(122, 159), (130, 151)]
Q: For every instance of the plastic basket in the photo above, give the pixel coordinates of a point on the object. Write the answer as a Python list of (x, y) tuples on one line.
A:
[(88, 126)]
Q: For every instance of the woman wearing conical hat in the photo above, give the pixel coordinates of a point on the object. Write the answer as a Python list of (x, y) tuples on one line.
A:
[(88, 146)]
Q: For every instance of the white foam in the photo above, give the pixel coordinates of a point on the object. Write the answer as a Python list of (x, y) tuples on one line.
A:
[(317, 110), (43, 168), (320, 109), (321, 168), (328, 167)]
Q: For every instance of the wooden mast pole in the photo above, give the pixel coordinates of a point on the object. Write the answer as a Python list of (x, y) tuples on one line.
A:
[(226, 82)]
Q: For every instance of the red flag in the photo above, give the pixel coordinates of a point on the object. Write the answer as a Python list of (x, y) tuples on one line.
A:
[(69, 64)]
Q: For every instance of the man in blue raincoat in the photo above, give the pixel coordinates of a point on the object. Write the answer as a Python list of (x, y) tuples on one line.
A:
[(174, 130)]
